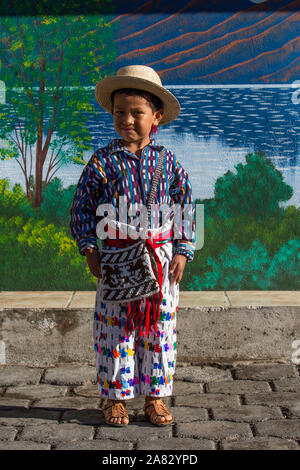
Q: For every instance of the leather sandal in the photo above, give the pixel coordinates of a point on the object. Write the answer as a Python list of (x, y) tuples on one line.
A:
[(115, 409), (154, 408)]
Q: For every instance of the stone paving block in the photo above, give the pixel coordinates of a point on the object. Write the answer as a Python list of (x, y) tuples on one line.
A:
[(23, 445), (265, 371), (214, 430), (137, 403), (39, 391), (94, 445), (91, 417), (89, 391), (288, 428), (35, 299), (207, 400), (272, 399), (67, 403), (295, 410), (191, 299), (202, 374), (261, 443), (23, 416), (238, 386), (182, 414), (263, 298), (83, 300), (134, 432), (55, 433), (17, 375), (287, 385), (248, 413), (10, 402), (70, 374), (176, 443), (182, 388), (7, 433)]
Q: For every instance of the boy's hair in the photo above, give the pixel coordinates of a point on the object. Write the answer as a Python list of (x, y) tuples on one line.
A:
[(153, 100)]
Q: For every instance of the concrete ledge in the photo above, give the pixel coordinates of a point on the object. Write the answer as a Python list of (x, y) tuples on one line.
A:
[(45, 328), (187, 299)]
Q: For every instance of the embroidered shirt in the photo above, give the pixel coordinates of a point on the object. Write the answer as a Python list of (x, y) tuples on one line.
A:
[(114, 171)]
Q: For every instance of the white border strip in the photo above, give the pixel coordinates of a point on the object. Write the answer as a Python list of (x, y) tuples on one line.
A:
[(250, 85), (295, 84)]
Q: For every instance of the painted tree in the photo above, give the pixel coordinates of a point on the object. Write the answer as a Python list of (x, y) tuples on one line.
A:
[(256, 189), (46, 64)]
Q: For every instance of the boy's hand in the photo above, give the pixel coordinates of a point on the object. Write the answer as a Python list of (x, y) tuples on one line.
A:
[(93, 260), (177, 267)]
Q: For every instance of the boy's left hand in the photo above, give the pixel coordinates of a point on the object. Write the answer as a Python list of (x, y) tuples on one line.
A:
[(177, 267)]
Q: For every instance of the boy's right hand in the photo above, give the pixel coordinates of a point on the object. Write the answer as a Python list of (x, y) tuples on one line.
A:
[(93, 261)]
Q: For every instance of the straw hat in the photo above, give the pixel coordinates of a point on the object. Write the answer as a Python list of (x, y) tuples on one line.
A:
[(143, 78)]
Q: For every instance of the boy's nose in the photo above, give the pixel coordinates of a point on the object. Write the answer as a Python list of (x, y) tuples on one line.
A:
[(128, 119)]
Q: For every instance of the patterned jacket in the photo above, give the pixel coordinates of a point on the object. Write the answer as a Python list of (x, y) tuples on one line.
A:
[(113, 171)]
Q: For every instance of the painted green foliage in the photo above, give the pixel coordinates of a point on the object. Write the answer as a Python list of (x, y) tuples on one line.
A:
[(250, 241), (36, 250), (51, 59), (255, 189), (242, 250)]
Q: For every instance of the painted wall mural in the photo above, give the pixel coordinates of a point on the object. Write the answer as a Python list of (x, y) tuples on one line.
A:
[(234, 70)]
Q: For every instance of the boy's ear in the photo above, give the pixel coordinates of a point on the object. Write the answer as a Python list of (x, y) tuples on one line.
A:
[(159, 116)]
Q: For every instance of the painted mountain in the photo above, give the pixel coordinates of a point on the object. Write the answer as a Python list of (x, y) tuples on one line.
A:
[(199, 42)]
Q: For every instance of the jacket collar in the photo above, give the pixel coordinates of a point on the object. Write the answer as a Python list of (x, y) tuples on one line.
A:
[(116, 146)]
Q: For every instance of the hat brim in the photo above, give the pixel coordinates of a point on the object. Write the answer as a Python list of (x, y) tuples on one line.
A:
[(105, 87)]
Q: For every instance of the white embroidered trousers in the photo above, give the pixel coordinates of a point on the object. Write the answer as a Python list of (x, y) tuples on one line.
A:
[(128, 366)]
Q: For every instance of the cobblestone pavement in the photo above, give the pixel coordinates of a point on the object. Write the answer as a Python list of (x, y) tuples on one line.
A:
[(253, 406)]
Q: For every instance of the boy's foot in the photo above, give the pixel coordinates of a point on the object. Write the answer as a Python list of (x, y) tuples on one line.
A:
[(157, 412), (115, 413)]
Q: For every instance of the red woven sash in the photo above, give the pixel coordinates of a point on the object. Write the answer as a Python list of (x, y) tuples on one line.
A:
[(135, 317)]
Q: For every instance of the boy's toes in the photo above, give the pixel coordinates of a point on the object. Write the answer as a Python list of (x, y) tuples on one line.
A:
[(119, 420), (162, 419), (122, 420)]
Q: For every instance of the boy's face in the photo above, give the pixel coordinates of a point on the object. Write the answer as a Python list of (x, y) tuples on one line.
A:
[(133, 118)]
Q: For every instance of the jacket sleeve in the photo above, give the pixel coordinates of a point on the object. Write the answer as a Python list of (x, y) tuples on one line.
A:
[(181, 194), (89, 190)]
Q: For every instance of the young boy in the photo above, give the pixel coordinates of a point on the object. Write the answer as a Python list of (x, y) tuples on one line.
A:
[(128, 365)]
